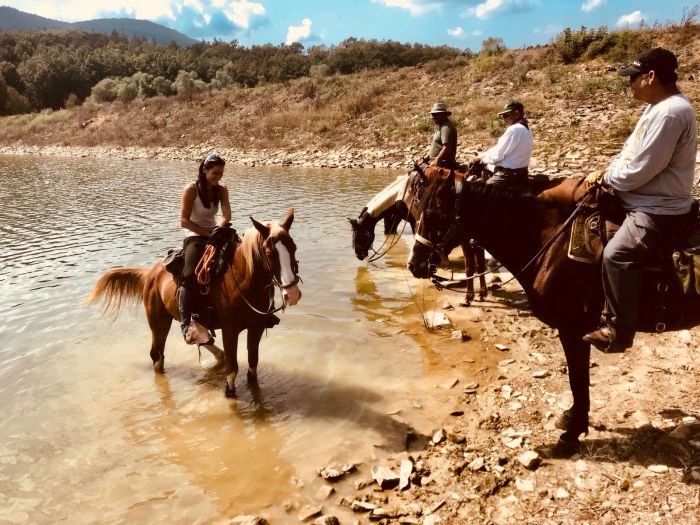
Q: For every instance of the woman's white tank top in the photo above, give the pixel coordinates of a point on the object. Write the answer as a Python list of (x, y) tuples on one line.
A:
[(201, 216)]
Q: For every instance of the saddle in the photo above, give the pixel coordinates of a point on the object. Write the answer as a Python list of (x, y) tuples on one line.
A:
[(218, 253), (670, 272)]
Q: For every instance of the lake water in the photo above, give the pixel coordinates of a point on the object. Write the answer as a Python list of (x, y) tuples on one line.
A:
[(91, 434)]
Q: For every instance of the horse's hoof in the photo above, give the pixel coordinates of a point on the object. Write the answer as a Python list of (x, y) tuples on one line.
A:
[(482, 297), (230, 392), (571, 424), (565, 448), (252, 377), (159, 367), (466, 303)]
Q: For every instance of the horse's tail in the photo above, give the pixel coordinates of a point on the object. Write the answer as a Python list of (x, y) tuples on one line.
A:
[(118, 286)]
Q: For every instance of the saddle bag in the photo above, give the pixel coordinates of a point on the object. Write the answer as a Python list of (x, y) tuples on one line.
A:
[(687, 265), (174, 262)]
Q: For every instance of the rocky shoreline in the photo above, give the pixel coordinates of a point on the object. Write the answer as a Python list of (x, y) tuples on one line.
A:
[(341, 158), (491, 460)]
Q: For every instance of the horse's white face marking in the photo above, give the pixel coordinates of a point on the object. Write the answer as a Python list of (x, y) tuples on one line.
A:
[(292, 294)]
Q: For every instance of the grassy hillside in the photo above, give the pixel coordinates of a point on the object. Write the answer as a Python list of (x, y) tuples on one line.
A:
[(580, 112)]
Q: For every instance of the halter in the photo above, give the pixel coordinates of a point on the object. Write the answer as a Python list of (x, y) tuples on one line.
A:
[(417, 196), (275, 282)]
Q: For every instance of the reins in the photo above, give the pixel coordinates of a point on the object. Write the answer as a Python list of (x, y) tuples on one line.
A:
[(395, 240)]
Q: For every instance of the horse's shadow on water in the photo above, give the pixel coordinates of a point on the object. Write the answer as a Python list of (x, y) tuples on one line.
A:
[(638, 446), (282, 393)]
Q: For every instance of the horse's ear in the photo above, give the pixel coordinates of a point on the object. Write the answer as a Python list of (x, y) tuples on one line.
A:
[(353, 223), (264, 230), (289, 219)]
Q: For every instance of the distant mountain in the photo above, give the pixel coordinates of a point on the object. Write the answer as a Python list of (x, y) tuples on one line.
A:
[(14, 20)]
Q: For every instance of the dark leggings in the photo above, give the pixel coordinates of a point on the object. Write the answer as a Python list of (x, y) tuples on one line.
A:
[(194, 249)]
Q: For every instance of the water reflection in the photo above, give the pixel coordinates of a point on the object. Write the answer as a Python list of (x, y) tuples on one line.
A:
[(90, 433)]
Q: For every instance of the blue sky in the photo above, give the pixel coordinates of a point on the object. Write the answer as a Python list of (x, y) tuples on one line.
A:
[(458, 23)]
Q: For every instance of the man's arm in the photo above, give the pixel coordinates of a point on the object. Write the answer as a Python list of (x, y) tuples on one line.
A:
[(653, 155)]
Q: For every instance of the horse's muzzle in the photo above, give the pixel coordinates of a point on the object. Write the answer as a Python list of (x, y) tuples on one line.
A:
[(421, 270), (291, 295)]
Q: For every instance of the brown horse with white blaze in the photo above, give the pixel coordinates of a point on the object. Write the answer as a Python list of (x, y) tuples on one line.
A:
[(242, 300)]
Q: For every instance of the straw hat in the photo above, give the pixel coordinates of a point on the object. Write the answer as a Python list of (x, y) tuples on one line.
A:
[(440, 107)]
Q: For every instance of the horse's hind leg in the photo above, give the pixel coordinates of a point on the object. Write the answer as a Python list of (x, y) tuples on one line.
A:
[(469, 270), (159, 320), (160, 326), (254, 336)]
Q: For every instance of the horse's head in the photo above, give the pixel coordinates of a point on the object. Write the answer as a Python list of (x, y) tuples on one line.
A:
[(438, 230), (362, 234), (279, 252)]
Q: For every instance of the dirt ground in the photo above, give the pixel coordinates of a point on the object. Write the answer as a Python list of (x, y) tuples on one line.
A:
[(639, 464)]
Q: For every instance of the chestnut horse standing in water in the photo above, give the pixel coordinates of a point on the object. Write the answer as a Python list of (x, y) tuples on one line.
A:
[(529, 235), (400, 200), (265, 258)]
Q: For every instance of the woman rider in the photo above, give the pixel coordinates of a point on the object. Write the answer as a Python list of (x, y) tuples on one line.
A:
[(198, 207)]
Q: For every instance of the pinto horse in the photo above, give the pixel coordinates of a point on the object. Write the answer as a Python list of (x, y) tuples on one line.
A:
[(401, 200), (529, 234), (243, 299)]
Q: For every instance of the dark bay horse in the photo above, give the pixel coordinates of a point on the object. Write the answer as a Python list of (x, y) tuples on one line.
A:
[(529, 235), (265, 258), (400, 200)]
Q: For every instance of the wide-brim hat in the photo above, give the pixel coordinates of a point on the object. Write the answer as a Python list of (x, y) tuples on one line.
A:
[(439, 107), (513, 105), (658, 59)]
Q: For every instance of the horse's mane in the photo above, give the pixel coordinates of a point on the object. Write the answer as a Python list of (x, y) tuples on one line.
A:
[(251, 245), (251, 248), (482, 191), (387, 197)]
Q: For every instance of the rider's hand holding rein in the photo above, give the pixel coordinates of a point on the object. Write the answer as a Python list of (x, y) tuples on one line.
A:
[(213, 177), (596, 176)]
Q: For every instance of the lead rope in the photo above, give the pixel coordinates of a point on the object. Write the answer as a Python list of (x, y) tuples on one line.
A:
[(202, 269)]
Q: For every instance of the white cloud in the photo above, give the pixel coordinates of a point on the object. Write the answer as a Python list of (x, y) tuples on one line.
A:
[(75, 10), (241, 12), (550, 29), (457, 32), (590, 5), (415, 7), (488, 8), (634, 17), (300, 32)]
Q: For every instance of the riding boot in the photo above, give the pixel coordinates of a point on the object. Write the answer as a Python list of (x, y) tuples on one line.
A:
[(185, 308)]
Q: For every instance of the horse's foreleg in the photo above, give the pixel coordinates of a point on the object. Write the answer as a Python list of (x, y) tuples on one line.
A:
[(574, 421), (480, 256), (254, 336), (469, 270), (230, 338)]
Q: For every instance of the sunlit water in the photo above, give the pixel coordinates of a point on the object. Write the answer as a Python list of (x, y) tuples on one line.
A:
[(91, 434)]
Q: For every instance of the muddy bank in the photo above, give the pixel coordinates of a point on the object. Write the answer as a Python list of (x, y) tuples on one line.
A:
[(491, 462)]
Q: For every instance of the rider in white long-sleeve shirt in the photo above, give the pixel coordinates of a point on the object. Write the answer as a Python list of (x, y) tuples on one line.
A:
[(511, 154)]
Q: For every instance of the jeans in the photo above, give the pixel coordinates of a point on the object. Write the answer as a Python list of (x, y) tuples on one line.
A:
[(634, 245)]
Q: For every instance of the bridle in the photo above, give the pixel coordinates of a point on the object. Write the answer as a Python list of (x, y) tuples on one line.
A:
[(275, 282), (417, 187)]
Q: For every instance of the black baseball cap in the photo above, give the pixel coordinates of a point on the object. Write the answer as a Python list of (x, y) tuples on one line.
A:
[(658, 59), (513, 105)]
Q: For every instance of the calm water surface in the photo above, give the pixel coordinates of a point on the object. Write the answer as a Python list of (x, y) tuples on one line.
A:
[(90, 434)]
